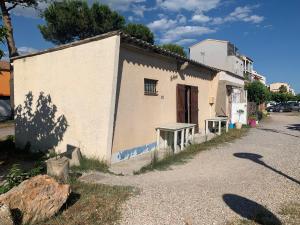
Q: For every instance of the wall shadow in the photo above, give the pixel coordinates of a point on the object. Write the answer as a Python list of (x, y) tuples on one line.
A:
[(279, 131), (257, 159), (250, 210), (295, 127), (38, 128)]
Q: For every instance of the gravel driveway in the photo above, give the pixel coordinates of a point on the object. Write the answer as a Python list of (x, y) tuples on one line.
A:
[(261, 169), (6, 131)]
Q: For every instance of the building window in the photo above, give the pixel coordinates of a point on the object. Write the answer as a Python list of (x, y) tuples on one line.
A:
[(150, 87)]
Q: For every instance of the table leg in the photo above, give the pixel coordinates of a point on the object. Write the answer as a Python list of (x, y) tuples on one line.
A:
[(227, 124), (182, 139), (193, 134), (175, 140), (206, 127), (186, 136), (219, 131), (157, 138), (165, 139)]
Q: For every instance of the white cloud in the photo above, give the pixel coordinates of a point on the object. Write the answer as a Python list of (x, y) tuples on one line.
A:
[(200, 18), (186, 41), (190, 5), (29, 11), (138, 10), (244, 14), (121, 5), (26, 50), (181, 19), (162, 24), (131, 18), (184, 32)]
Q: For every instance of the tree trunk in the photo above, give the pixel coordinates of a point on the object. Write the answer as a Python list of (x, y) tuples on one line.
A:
[(12, 49), (9, 36)]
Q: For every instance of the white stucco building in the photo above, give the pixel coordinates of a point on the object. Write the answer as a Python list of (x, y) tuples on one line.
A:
[(231, 94), (274, 87)]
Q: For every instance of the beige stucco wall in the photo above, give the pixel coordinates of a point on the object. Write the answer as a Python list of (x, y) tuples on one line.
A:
[(275, 86), (81, 81), (137, 114)]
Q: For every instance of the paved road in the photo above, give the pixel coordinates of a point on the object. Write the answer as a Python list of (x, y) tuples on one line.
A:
[(260, 170)]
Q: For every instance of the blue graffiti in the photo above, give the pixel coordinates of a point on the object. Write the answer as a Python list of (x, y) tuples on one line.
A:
[(126, 154)]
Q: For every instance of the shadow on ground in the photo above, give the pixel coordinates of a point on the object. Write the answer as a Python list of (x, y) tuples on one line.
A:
[(279, 131), (257, 159), (250, 210), (295, 127)]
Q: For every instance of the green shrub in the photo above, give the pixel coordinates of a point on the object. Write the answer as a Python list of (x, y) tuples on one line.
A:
[(259, 115), (16, 176)]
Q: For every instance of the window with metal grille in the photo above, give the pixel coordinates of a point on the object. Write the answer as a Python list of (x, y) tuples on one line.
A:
[(150, 87)]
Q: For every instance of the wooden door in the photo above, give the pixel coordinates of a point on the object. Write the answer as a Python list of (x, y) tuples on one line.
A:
[(181, 103), (194, 106)]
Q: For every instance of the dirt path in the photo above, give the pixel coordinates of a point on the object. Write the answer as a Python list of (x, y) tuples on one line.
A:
[(259, 170)]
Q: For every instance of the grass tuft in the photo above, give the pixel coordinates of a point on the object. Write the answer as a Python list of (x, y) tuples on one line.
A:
[(189, 152), (87, 164), (92, 204)]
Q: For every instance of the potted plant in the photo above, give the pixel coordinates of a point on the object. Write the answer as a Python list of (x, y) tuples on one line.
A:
[(239, 125), (252, 120)]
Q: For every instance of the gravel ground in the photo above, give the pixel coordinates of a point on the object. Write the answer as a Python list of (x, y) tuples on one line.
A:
[(206, 189), (6, 131)]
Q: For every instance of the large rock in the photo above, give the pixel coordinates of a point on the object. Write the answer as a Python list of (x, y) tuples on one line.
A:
[(36, 199), (5, 215)]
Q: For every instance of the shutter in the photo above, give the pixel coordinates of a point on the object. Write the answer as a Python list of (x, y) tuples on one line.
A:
[(194, 106), (180, 102)]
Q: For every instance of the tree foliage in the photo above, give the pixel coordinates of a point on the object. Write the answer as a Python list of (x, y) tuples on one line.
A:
[(257, 92), (139, 31), (282, 97), (67, 21), (175, 48), (283, 89), (6, 6)]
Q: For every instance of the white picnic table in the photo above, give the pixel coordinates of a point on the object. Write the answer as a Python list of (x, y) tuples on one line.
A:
[(215, 120), (183, 128)]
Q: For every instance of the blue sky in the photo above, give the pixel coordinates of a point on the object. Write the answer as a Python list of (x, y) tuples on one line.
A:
[(266, 31)]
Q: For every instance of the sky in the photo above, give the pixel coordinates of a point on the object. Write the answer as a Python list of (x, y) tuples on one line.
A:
[(267, 31)]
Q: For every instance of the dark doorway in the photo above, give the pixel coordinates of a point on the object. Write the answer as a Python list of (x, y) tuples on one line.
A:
[(187, 104)]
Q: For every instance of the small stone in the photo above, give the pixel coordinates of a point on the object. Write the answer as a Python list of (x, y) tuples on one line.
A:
[(75, 157), (58, 167)]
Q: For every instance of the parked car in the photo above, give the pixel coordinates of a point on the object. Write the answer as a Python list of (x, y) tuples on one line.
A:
[(281, 107), (295, 106), (271, 103)]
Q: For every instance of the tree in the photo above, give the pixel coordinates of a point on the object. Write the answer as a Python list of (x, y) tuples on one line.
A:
[(6, 7), (283, 89), (139, 31), (282, 97), (2, 39), (257, 92), (67, 21), (175, 48)]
